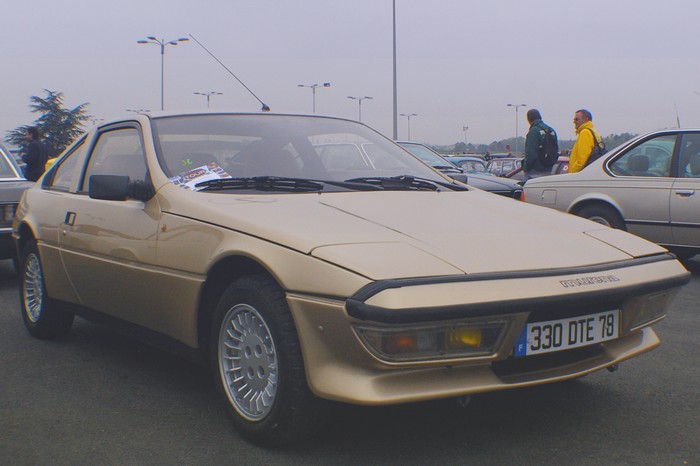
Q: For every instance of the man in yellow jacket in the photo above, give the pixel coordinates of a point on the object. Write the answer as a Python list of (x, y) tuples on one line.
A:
[(583, 120)]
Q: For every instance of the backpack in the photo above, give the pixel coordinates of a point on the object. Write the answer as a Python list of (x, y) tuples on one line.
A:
[(598, 149), (549, 149)]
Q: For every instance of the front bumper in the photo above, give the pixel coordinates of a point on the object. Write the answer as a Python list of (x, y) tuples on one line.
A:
[(340, 367)]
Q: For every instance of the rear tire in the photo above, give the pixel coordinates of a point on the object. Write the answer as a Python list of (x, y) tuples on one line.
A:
[(258, 367), (43, 317), (603, 214)]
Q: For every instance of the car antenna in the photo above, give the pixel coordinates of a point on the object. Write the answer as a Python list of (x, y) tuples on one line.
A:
[(264, 108)]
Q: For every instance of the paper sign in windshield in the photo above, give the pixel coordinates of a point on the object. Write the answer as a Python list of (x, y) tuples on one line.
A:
[(190, 178)]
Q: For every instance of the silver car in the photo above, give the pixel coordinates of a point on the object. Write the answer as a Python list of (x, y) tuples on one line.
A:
[(12, 185), (649, 186)]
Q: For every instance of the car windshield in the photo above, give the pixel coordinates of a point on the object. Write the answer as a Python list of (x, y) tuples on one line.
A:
[(196, 149), (427, 156), (472, 166)]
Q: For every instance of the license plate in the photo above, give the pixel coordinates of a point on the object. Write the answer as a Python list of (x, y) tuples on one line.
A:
[(558, 335)]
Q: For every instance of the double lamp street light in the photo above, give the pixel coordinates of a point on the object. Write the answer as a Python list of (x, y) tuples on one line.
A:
[(359, 104), (162, 43), (313, 91), (208, 95)]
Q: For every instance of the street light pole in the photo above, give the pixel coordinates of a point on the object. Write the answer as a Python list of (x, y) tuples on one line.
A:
[(162, 43), (516, 123), (396, 118), (208, 95), (359, 104), (313, 91), (408, 119)]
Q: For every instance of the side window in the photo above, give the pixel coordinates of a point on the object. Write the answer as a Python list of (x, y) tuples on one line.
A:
[(650, 158), (64, 173), (689, 156), (118, 152), (6, 170)]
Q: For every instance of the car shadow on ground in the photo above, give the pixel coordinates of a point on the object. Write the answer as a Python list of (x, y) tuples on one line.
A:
[(693, 265), (7, 272), (534, 411)]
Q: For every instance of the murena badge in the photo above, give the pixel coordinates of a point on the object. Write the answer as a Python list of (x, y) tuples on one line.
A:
[(589, 281)]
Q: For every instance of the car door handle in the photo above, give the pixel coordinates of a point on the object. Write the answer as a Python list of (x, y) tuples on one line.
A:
[(70, 218), (685, 192)]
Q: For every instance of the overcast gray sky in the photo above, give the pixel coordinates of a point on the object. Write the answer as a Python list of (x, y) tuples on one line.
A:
[(634, 64)]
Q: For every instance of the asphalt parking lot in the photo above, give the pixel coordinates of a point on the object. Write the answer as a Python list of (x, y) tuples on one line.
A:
[(97, 397)]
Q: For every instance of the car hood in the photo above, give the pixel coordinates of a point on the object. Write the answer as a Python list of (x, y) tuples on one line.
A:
[(395, 234), (491, 183)]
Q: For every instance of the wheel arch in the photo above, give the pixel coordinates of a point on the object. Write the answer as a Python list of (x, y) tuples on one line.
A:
[(219, 277), (605, 204), (581, 203)]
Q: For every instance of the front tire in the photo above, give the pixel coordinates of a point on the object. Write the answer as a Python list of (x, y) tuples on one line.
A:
[(603, 214), (43, 317), (258, 366)]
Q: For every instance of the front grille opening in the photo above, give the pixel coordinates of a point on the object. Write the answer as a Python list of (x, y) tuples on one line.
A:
[(513, 367)]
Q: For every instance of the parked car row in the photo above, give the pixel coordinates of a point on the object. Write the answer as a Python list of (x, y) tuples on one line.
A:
[(300, 276), (483, 181)]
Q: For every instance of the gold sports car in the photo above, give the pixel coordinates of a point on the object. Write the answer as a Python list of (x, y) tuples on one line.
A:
[(302, 279)]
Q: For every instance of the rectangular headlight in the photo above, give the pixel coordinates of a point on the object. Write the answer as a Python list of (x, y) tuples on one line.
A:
[(426, 342)]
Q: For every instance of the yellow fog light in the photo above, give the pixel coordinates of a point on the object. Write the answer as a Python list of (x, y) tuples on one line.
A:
[(464, 337)]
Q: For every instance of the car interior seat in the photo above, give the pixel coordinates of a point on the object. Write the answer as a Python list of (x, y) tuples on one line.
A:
[(692, 166), (273, 163), (638, 165)]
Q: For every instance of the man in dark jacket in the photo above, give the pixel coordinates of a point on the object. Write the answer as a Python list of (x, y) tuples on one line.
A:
[(35, 155), (534, 141)]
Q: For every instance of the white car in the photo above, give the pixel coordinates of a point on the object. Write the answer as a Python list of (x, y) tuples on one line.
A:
[(649, 186)]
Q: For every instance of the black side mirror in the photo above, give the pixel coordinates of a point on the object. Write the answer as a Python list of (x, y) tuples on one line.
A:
[(108, 187), (119, 188)]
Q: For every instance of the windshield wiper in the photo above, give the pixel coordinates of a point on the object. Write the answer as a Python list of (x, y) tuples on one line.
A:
[(403, 182), (279, 183), (261, 183)]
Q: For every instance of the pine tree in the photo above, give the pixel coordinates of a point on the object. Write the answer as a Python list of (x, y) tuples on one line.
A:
[(58, 126)]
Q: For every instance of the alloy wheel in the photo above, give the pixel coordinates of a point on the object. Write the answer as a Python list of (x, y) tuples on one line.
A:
[(33, 288), (248, 362)]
